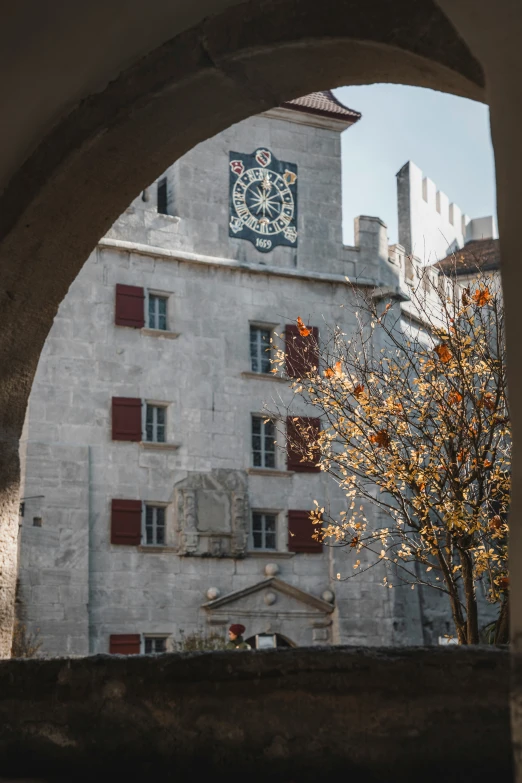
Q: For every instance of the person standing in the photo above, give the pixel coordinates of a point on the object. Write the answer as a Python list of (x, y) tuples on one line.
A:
[(236, 641)]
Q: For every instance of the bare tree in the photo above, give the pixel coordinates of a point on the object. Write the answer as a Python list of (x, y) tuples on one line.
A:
[(415, 421)]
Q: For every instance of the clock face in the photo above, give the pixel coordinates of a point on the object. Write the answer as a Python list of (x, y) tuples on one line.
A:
[(263, 200)]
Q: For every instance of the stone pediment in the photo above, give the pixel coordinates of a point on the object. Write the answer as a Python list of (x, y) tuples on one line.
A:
[(268, 597)]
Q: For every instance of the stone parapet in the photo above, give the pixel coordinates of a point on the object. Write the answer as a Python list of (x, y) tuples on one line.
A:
[(375, 715)]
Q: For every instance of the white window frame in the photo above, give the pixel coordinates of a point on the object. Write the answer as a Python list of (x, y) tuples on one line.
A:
[(265, 512), (154, 404), (157, 295), (266, 636), (165, 636), (263, 451), (146, 504), (260, 351)]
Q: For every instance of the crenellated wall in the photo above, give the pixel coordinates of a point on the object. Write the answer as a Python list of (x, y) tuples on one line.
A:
[(430, 226)]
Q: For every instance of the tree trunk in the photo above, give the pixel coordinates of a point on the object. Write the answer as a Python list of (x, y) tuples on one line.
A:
[(458, 619), (472, 631), (502, 626)]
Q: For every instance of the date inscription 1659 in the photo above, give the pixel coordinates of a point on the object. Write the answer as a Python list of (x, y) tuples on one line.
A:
[(263, 200)]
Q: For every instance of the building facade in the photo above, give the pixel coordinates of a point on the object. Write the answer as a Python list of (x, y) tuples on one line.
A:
[(155, 501), (431, 227)]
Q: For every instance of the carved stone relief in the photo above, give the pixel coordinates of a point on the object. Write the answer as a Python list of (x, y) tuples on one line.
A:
[(213, 514)]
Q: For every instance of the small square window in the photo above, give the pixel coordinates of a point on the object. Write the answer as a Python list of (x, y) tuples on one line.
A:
[(263, 442), (264, 530), (154, 533), (155, 645), (155, 422), (260, 349), (157, 315)]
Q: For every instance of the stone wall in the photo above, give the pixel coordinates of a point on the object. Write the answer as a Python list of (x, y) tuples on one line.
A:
[(373, 715)]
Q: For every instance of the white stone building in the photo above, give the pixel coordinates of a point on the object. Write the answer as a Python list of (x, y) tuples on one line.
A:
[(154, 502), (430, 226)]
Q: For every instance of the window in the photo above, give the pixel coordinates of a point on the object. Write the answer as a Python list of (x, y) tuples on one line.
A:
[(264, 530), (260, 349), (301, 351), (157, 312), (124, 644), (155, 645), (155, 423), (302, 433), (126, 522), (154, 525), (126, 418), (263, 443), (129, 306), (301, 531), (163, 197)]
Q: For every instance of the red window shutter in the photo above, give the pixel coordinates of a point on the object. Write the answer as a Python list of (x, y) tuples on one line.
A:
[(126, 418), (130, 308), (301, 353), (126, 522), (124, 644), (301, 429), (300, 532)]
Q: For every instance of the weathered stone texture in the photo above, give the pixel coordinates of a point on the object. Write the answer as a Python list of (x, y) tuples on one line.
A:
[(375, 715)]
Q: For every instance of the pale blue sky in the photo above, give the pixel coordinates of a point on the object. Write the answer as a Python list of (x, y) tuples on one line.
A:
[(447, 137)]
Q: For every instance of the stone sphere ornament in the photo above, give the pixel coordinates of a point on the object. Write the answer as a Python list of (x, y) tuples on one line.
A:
[(271, 569), (270, 598), (213, 593), (328, 596)]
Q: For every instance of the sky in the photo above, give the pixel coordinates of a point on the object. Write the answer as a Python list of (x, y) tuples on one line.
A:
[(447, 137)]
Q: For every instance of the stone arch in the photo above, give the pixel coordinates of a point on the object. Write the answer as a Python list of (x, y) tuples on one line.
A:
[(227, 66)]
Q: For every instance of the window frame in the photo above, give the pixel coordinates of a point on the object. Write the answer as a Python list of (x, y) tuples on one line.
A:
[(260, 327), (154, 506), (262, 418), (154, 404), (158, 295), (155, 637), (162, 182), (264, 512)]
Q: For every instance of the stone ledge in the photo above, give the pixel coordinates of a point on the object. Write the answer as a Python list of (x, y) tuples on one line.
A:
[(147, 444), (258, 376), (270, 472), (376, 715), (156, 550), (159, 333)]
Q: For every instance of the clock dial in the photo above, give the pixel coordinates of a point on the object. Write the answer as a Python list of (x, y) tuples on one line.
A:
[(263, 200)]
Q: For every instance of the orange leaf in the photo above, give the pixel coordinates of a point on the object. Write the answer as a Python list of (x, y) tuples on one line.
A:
[(454, 397), (328, 373), (443, 352), (495, 523), (303, 331), (354, 541), (381, 438), (489, 401), (465, 296), (358, 390), (487, 463), (503, 582), (481, 297)]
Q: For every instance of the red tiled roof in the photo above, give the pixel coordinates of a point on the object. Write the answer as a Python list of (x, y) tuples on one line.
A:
[(478, 254), (324, 104)]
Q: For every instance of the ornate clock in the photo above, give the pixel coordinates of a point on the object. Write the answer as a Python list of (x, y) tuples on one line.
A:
[(263, 200)]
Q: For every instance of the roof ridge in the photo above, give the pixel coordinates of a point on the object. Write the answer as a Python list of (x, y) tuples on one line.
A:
[(323, 103)]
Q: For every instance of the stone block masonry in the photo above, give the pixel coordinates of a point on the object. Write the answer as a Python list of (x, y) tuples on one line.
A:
[(372, 715)]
